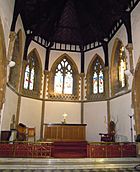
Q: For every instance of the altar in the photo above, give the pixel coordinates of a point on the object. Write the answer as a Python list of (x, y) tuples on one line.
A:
[(64, 132)]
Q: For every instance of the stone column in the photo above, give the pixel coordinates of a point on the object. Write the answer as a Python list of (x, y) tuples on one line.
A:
[(129, 47), (106, 76), (82, 75), (43, 103), (12, 38)]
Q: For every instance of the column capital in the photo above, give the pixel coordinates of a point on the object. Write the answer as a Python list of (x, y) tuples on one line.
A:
[(82, 75), (129, 46), (46, 72), (12, 36), (106, 68)]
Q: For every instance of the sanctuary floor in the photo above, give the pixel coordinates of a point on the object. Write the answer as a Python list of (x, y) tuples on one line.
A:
[(69, 165), (99, 170)]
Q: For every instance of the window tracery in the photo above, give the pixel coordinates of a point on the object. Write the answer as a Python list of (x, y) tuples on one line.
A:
[(118, 67), (64, 79), (32, 77), (95, 79)]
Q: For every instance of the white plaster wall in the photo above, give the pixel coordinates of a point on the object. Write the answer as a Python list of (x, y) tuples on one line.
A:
[(19, 26), (135, 23), (120, 108), (75, 56), (6, 14), (10, 108), (55, 110), (122, 35), (41, 50), (94, 116), (30, 114), (90, 54)]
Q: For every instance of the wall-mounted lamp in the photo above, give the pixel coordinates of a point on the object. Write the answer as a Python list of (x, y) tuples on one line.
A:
[(127, 72), (11, 63)]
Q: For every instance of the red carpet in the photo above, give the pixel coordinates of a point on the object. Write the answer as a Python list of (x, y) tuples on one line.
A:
[(69, 149)]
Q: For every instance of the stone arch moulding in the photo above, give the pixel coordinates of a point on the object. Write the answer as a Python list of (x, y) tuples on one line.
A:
[(89, 92), (38, 75), (91, 62), (136, 97), (76, 91), (3, 66), (115, 88), (60, 58), (113, 68), (14, 75)]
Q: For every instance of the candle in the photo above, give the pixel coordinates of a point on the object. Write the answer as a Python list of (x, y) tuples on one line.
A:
[(65, 115)]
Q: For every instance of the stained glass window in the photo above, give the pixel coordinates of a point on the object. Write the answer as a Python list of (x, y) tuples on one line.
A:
[(122, 67), (101, 82), (58, 82), (63, 80), (98, 77), (95, 83), (32, 79), (26, 77), (118, 66), (29, 75)]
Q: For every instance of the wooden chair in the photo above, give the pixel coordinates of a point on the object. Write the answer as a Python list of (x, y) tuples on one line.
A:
[(110, 136), (31, 134), (107, 137), (21, 132)]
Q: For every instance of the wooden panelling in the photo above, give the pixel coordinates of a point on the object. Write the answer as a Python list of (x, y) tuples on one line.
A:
[(64, 132)]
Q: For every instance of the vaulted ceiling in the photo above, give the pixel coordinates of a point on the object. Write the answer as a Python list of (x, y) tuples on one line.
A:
[(78, 22)]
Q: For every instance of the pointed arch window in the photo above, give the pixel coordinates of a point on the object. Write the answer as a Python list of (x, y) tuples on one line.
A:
[(64, 79), (32, 77), (29, 75), (122, 67), (96, 79), (118, 67), (26, 77)]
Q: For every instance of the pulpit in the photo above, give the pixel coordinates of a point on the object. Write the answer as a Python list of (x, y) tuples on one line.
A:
[(64, 132)]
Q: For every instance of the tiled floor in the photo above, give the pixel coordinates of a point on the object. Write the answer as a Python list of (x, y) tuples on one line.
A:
[(76, 170)]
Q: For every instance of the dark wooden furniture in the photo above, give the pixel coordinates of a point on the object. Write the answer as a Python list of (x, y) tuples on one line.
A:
[(64, 132), (5, 135), (107, 137)]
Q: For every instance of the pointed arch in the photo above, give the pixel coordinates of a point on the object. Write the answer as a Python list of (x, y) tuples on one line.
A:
[(32, 74), (118, 66), (136, 96), (3, 66), (14, 76), (64, 79), (95, 79)]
